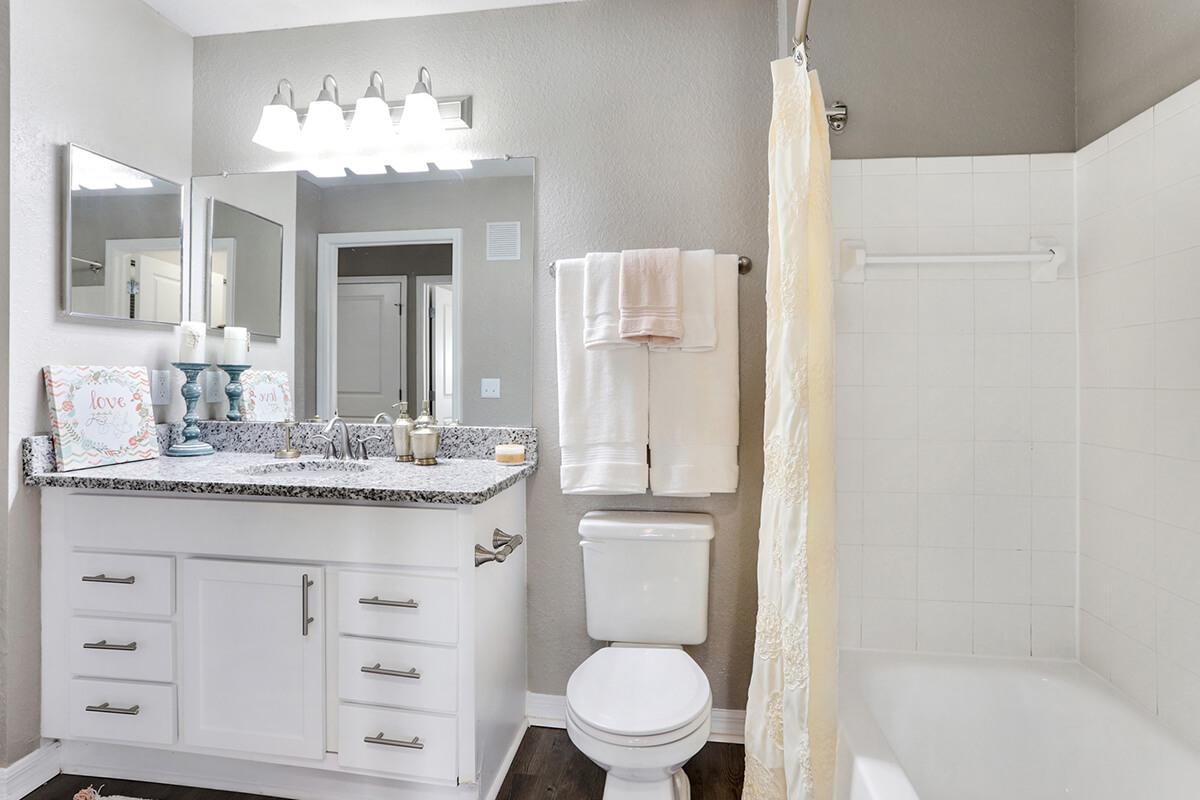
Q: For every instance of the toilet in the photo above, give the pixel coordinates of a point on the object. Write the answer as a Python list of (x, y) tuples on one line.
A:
[(641, 707)]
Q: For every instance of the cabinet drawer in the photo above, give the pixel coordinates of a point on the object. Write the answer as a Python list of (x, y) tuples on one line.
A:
[(432, 755), (398, 606), (427, 679), (122, 712), (131, 649), (122, 583)]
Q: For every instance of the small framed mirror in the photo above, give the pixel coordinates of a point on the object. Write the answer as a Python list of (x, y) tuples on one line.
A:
[(123, 249), (244, 276)]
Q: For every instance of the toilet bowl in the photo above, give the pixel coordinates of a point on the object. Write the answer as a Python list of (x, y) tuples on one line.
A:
[(641, 707), (640, 713)]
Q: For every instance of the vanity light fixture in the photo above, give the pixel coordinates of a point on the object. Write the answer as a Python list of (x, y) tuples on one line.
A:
[(371, 128), (421, 129), (279, 127), (324, 128)]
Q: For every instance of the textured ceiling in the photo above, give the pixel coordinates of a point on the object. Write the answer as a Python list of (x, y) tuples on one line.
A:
[(210, 17)]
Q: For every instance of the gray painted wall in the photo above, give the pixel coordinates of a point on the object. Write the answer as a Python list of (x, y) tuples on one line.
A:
[(64, 89), (623, 161), (258, 269), (1130, 55), (950, 77)]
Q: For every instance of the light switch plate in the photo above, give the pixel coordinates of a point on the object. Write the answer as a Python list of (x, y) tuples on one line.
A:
[(213, 390), (489, 388), (160, 387)]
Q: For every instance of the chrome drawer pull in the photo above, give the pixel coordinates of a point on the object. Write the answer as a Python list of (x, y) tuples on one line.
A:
[(305, 618), (104, 645), (105, 708), (392, 673), (102, 578), (375, 601), (414, 743)]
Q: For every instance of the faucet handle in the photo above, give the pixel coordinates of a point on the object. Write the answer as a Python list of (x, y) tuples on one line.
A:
[(328, 442), (362, 445)]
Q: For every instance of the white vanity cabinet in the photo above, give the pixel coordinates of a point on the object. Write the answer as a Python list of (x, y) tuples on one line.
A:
[(299, 648)]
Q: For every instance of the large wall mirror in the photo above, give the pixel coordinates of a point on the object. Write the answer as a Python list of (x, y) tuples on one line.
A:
[(123, 251), (408, 286)]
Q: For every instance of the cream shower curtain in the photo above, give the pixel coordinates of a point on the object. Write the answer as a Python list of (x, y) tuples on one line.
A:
[(791, 714)]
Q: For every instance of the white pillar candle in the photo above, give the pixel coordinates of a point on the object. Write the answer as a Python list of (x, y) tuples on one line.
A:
[(237, 346), (191, 342)]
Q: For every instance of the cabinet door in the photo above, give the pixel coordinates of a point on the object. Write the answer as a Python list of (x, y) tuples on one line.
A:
[(252, 675)]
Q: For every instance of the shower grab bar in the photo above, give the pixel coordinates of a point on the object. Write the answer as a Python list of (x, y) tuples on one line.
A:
[(1045, 255)]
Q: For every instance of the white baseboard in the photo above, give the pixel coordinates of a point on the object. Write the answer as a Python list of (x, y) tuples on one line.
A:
[(550, 711), (22, 777)]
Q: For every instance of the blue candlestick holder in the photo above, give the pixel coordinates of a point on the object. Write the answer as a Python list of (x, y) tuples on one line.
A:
[(233, 390), (191, 444)]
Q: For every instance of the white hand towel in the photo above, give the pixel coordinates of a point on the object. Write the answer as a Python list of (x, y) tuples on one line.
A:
[(699, 304), (602, 396), (601, 302), (694, 405)]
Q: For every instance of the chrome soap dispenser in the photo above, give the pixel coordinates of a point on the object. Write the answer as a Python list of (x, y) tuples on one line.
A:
[(402, 430)]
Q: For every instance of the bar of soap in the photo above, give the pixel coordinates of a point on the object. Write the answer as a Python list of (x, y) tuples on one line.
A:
[(510, 454)]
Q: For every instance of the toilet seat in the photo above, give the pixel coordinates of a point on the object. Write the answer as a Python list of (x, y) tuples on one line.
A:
[(639, 696)]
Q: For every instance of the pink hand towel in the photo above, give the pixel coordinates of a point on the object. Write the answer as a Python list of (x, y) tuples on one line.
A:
[(650, 292)]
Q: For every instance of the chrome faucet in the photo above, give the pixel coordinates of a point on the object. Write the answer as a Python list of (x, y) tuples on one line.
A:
[(336, 437)]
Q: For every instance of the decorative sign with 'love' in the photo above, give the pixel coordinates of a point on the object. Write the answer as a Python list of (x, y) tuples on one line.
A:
[(100, 415)]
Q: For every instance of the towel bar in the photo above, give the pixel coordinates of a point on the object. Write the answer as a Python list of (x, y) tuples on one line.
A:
[(744, 266)]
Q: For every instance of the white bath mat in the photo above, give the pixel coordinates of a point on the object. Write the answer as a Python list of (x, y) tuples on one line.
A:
[(94, 794)]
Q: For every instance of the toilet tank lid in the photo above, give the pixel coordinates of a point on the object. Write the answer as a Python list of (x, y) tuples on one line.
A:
[(650, 525)]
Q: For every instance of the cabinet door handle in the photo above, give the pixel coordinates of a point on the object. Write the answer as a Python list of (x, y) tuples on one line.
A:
[(105, 708), (375, 601), (306, 620), (102, 578), (414, 743), (392, 673), (104, 645)]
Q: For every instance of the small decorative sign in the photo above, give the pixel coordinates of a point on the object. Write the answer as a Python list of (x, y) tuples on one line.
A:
[(266, 396), (100, 415)]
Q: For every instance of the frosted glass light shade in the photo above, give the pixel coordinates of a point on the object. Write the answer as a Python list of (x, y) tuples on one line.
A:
[(278, 128), (325, 128), (421, 126), (371, 127)]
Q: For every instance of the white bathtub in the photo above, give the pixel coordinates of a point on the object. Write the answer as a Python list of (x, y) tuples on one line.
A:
[(960, 728)]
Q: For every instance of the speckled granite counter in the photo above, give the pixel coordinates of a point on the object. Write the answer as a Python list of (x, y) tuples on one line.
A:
[(243, 465)]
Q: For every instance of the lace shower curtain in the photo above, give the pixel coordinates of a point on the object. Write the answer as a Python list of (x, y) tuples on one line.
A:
[(791, 714)]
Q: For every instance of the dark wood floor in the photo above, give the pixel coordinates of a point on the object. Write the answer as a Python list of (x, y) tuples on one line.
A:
[(547, 766)]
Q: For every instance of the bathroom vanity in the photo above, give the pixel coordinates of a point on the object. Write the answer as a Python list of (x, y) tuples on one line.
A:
[(305, 629)]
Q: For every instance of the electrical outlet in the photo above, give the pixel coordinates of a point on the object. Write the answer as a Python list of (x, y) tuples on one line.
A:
[(489, 388), (160, 387), (213, 390)]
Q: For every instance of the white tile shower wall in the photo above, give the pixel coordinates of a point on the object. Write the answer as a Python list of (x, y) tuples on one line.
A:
[(956, 410), (1139, 295)]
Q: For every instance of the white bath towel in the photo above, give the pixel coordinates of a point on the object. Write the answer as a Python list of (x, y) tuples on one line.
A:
[(699, 304), (694, 405), (601, 302), (602, 396)]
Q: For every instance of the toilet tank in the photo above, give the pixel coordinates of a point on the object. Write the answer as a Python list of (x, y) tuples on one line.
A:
[(645, 576)]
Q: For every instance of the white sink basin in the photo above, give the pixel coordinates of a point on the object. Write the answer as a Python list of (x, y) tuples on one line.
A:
[(310, 467)]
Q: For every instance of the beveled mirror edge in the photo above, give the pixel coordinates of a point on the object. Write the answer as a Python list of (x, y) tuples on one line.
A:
[(209, 221), (65, 311)]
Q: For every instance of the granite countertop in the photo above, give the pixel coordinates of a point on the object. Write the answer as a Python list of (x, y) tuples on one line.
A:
[(464, 474)]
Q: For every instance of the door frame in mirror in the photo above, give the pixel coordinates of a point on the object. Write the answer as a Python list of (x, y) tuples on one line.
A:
[(65, 293), (328, 245)]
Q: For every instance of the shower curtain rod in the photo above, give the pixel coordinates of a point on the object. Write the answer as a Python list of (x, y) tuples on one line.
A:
[(803, 7), (744, 266)]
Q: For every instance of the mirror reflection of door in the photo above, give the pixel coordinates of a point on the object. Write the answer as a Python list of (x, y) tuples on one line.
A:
[(143, 280), (223, 262), (371, 340), (435, 352)]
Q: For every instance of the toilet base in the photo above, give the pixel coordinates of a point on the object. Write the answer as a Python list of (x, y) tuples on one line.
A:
[(676, 787)]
